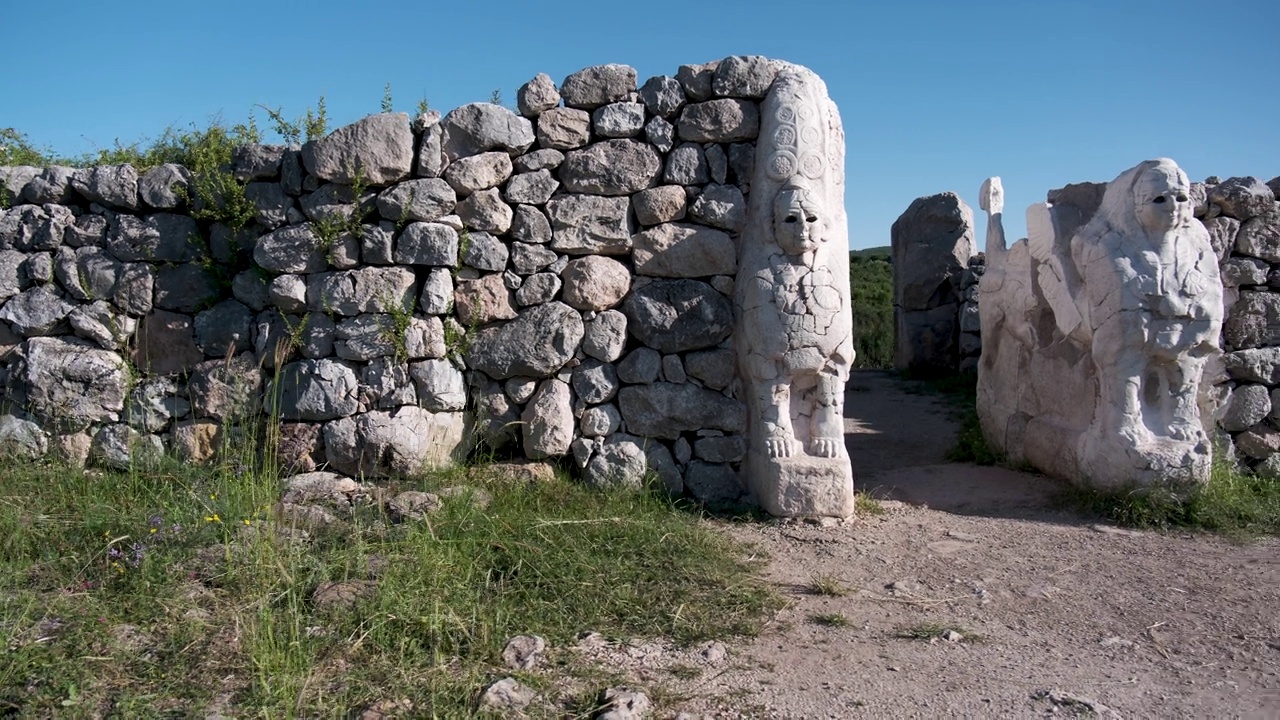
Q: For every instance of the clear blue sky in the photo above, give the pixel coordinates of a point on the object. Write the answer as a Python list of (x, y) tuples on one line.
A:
[(934, 95)]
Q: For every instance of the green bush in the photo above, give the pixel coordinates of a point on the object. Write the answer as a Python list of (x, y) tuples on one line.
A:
[(871, 290)]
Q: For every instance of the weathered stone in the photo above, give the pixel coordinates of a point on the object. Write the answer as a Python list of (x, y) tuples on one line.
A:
[(289, 293), (115, 186), (315, 390), (683, 250), (365, 337), (165, 344), (400, 443), (678, 315), (37, 311), (154, 402), (564, 128), (162, 237), (548, 421), (377, 243), (197, 441), (662, 95), (1246, 406), (486, 211), (720, 206), (88, 230), (333, 201), (1259, 236), (687, 165), (530, 225), (367, 290), (21, 439), (697, 80), (424, 200), (598, 85), (377, 148), (428, 243), (1242, 197), (595, 282), (642, 366), (1222, 235), (120, 447), (251, 288), (507, 696), (543, 159), (619, 462), (600, 421), (254, 161), (483, 300), (527, 259), (713, 484), (664, 410), (536, 344), (1239, 271), (485, 252), (724, 449), (437, 292), (98, 322), (743, 76), (478, 172), (618, 120), (665, 203), (1254, 321), (538, 288), (424, 338), (723, 120), (14, 180), (479, 127), (69, 384), (292, 249), (495, 420), (224, 328), (611, 167), (605, 336), (226, 390), (439, 384), (133, 292), (537, 96), (590, 224), (673, 369), (1259, 442), (1259, 365), (186, 288), (741, 164), (715, 368), (52, 185), (660, 134), (431, 160), (385, 384), (231, 247), (532, 188)]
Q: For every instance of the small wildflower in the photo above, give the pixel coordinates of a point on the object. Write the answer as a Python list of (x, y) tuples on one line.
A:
[(153, 531), (175, 529), (212, 518)]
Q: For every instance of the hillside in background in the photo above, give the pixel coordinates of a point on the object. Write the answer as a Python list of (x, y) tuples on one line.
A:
[(871, 289)]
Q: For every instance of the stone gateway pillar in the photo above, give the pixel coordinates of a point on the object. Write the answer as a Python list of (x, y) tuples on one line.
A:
[(794, 321)]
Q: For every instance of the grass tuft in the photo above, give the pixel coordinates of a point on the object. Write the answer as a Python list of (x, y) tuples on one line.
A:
[(827, 585), (833, 619)]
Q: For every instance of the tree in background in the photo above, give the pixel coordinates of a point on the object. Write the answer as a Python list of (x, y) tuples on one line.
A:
[(871, 291)]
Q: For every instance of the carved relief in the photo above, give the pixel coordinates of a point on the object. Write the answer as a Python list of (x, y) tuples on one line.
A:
[(794, 322), (1121, 314)]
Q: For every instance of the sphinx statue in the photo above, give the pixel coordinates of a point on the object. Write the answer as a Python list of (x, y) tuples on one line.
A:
[(1096, 331), (794, 321)]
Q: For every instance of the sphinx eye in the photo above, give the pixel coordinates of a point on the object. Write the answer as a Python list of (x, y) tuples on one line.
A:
[(791, 218), (1182, 198), (1159, 200)]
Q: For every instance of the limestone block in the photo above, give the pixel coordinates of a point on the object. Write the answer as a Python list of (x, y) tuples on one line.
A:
[(52, 185), (665, 203), (664, 410), (251, 288), (485, 252), (687, 165), (225, 390), (162, 237), (224, 328), (598, 85), (423, 200), (720, 206), (542, 159), (440, 385), (114, 186), (530, 225), (37, 311), (485, 210), (618, 120), (1246, 406), (564, 128), (641, 365), (678, 315), (537, 96), (479, 127), (364, 337), (69, 384), (1257, 365), (98, 321), (315, 390), (483, 300), (714, 368), (722, 120), (478, 172), (697, 79), (548, 421), (590, 224), (291, 249), (743, 76), (1222, 235), (662, 95), (369, 289), (536, 344), (684, 250), (600, 421), (1259, 236), (378, 147), (531, 188), (22, 439), (538, 288), (595, 382), (400, 443), (527, 258), (595, 282), (611, 167), (605, 336), (1254, 320), (428, 243), (660, 134), (619, 462), (1242, 198)]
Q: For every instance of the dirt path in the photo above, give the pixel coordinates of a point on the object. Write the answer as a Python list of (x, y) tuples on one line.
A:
[(1059, 615)]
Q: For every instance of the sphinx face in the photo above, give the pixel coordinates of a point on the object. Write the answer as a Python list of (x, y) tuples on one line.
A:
[(1161, 199), (797, 222)]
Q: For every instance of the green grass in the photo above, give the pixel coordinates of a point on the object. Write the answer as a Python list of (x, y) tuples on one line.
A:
[(1232, 503), (179, 590), (827, 585), (833, 619), (932, 631)]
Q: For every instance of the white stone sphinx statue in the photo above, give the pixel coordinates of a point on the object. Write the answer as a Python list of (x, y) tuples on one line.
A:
[(1094, 339), (794, 321)]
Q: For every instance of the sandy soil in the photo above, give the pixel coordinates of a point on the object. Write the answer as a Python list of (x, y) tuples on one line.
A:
[(1051, 613)]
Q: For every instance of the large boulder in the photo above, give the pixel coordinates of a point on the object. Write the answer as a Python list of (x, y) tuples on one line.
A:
[(367, 290), (547, 421), (70, 384), (684, 250), (591, 87), (664, 410), (315, 390), (612, 167), (479, 127), (678, 315), (536, 344), (398, 443), (378, 148), (595, 282), (590, 224)]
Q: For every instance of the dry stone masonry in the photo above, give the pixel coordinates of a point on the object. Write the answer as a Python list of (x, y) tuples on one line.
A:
[(558, 281)]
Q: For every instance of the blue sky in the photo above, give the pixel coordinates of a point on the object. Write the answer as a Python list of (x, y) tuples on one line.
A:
[(934, 95)]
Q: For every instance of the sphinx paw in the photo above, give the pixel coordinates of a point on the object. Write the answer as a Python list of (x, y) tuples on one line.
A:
[(824, 447), (780, 447)]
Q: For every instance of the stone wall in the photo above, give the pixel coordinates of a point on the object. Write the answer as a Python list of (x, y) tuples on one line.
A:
[(556, 281)]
